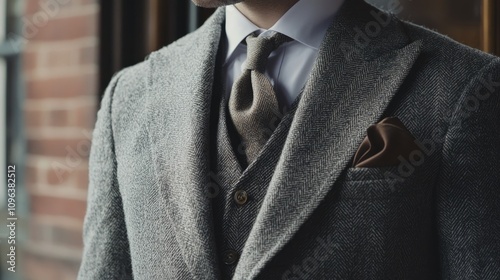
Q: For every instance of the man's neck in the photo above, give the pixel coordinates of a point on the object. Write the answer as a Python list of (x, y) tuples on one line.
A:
[(264, 13)]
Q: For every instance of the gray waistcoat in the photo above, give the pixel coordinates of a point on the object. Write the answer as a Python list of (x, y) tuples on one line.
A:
[(233, 220)]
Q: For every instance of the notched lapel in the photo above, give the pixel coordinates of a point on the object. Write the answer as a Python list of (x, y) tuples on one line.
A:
[(344, 95), (180, 88)]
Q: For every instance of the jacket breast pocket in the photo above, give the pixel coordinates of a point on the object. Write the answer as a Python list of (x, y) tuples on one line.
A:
[(381, 182)]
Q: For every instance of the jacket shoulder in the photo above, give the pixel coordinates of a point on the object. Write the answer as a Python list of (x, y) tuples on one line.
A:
[(129, 87), (134, 80), (443, 49), (448, 69)]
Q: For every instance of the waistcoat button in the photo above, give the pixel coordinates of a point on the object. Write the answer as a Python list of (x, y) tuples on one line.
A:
[(241, 197), (229, 257)]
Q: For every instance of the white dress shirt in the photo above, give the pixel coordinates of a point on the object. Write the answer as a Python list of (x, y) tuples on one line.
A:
[(289, 66)]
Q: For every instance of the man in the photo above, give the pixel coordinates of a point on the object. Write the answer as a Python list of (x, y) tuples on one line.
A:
[(311, 139)]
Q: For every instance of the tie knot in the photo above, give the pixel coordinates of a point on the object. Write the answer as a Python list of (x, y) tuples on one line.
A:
[(259, 49)]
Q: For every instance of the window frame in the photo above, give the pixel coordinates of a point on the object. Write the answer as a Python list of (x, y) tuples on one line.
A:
[(11, 49), (3, 102), (13, 143)]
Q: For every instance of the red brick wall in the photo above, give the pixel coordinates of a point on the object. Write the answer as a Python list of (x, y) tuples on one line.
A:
[(61, 74)]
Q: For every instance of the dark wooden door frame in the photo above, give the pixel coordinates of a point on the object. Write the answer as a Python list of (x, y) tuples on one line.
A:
[(491, 26), (130, 30)]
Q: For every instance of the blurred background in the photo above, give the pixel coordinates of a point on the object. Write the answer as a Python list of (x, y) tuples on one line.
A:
[(56, 58)]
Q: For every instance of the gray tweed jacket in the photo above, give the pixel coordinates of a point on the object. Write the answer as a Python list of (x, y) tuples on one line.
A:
[(434, 217)]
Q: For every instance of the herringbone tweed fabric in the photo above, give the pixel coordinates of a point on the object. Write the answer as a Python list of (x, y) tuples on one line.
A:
[(149, 212)]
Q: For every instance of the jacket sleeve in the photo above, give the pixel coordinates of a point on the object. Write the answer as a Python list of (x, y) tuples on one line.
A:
[(106, 252), (468, 191)]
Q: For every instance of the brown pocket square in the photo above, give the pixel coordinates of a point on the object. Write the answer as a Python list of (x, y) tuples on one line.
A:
[(385, 143)]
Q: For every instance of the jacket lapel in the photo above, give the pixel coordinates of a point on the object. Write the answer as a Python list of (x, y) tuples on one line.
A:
[(180, 85), (348, 89)]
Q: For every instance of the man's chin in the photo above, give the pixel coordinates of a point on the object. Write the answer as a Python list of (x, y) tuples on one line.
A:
[(215, 3)]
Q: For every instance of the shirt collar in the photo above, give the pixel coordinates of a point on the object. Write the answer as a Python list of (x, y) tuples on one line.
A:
[(306, 22)]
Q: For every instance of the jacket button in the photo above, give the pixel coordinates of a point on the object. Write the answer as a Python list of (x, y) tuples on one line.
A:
[(241, 197), (230, 257)]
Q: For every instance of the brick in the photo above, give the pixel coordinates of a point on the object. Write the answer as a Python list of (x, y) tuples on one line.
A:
[(82, 178), (66, 28), (58, 117), (30, 60), (59, 176), (34, 118), (72, 150), (81, 85), (55, 206), (42, 268), (37, 268), (31, 6), (89, 55), (84, 116), (32, 174)]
